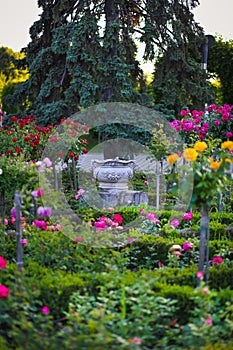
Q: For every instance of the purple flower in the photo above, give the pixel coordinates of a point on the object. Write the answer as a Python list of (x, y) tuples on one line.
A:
[(13, 212), (44, 211)]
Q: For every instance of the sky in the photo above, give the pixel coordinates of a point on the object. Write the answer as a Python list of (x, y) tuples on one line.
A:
[(17, 16)]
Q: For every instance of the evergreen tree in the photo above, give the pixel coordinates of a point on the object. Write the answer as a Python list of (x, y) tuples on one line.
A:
[(83, 52)]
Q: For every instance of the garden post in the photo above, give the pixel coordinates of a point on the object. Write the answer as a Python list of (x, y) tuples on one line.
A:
[(74, 174), (18, 231), (204, 240), (2, 205)]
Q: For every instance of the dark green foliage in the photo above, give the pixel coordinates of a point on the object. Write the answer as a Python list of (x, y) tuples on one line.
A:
[(83, 53), (220, 63)]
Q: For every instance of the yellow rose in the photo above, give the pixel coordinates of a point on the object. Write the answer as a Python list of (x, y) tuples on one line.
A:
[(200, 146), (190, 154), (172, 158), (228, 145)]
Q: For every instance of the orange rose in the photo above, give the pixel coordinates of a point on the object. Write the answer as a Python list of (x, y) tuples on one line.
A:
[(172, 158)]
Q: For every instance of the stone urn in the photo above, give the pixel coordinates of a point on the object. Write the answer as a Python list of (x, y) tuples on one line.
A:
[(113, 174)]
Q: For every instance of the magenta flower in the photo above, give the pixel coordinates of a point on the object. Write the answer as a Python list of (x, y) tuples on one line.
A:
[(209, 321), (187, 246), (3, 263), (187, 216), (4, 291), (6, 221), (229, 134), (130, 239), (45, 310), (217, 122), (100, 225), (146, 183), (40, 224), (175, 222), (142, 211), (217, 260), (24, 241)]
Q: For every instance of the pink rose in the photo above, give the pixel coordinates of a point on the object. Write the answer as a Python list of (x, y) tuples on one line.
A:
[(217, 122), (3, 263), (78, 239), (199, 275), (175, 222), (130, 239), (136, 341), (151, 216), (4, 291), (208, 321), (187, 216)]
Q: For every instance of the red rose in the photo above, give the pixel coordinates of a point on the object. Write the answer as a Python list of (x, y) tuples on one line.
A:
[(71, 154), (4, 291), (14, 119), (2, 263), (17, 149), (117, 218)]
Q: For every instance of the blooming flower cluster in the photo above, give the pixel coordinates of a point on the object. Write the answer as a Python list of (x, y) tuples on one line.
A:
[(217, 122), (4, 291), (104, 222)]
